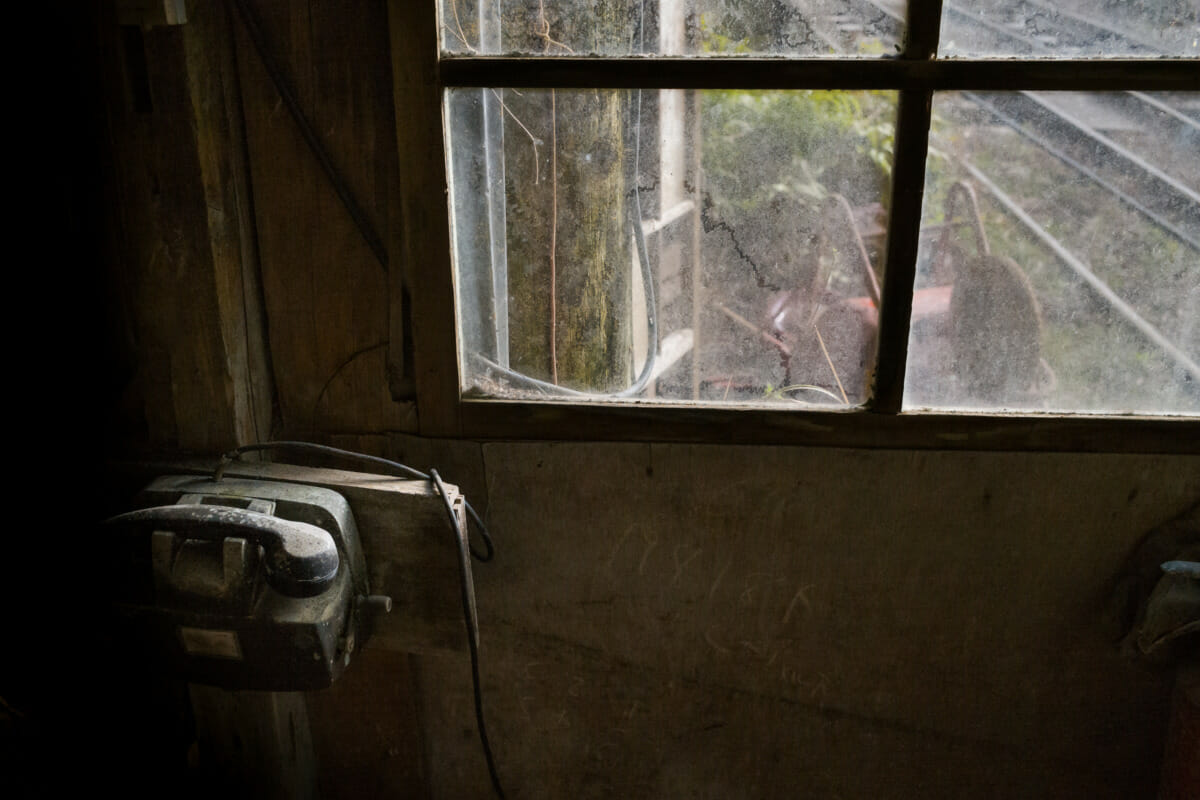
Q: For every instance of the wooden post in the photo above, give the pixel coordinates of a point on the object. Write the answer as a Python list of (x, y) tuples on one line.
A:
[(224, 172), (186, 264), (576, 223), (425, 251)]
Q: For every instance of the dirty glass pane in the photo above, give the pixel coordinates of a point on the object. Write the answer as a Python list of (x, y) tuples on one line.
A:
[(862, 28), (708, 246), (1070, 28), (1059, 267)]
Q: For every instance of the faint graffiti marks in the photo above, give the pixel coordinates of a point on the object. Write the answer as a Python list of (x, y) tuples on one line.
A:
[(761, 649), (715, 645), (612, 557), (801, 597), (680, 566), (713, 589), (817, 688), (754, 583), (651, 540)]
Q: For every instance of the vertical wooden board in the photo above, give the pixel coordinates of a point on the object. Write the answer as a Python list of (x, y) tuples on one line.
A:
[(220, 145), (254, 743), (353, 108), (356, 398), (282, 173), (326, 293), (186, 377), (366, 730), (423, 215)]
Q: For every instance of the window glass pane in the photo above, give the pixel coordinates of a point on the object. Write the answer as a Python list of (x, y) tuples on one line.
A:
[(672, 27), (1059, 267), (1070, 28), (741, 266)]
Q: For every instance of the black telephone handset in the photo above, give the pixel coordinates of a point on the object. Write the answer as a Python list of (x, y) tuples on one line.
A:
[(241, 583), (301, 559)]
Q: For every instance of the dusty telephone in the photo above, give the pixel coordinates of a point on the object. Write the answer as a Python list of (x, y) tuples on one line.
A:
[(243, 584)]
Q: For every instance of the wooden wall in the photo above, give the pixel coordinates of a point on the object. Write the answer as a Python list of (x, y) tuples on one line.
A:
[(249, 296), (660, 620), (712, 621)]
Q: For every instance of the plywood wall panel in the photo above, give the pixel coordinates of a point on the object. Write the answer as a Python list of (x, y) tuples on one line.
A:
[(959, 597), (326, 293)]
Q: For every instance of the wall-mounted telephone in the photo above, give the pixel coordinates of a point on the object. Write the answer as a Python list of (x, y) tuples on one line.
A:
[(243, 584)]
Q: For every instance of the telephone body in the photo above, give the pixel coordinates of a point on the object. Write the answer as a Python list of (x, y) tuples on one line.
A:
[(242, 584)]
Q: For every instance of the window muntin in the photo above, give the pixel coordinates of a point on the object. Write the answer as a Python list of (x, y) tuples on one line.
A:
[(787, 28), (903, 76)]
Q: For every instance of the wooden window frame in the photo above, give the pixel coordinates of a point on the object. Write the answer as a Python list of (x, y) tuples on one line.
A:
[(419, 78)]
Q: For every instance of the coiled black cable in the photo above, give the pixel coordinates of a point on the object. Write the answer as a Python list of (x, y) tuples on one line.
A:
[(470, 614)]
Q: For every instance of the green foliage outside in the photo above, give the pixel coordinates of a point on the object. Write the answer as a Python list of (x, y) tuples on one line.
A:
[(800, 144), (763, 146)]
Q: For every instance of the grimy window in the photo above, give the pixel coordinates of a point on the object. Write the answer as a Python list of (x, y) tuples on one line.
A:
[(807, 207)]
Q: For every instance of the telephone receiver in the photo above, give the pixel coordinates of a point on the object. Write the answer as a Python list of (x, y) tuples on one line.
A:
[(241, 583), (301, 560)]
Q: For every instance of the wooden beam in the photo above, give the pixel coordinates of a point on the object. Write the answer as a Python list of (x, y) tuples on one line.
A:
[(690, 72), (736, 424), (184, 264), (424, 218), (224, 172), (326, 292)]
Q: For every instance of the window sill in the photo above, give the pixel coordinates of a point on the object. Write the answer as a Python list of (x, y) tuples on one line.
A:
[(853, 428)]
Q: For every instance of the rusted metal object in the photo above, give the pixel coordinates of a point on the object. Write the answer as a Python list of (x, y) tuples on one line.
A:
[(995, 331), (981, 307)]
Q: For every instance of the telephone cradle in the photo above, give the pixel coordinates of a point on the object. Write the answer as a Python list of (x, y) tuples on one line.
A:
[(242, 584)]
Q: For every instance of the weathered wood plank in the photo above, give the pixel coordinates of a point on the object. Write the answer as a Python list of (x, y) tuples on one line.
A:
[(326, 293), (425, 225), (220, 143), (377, 702), (181, 254), (678, 422), (954, 598), (573, 723)]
